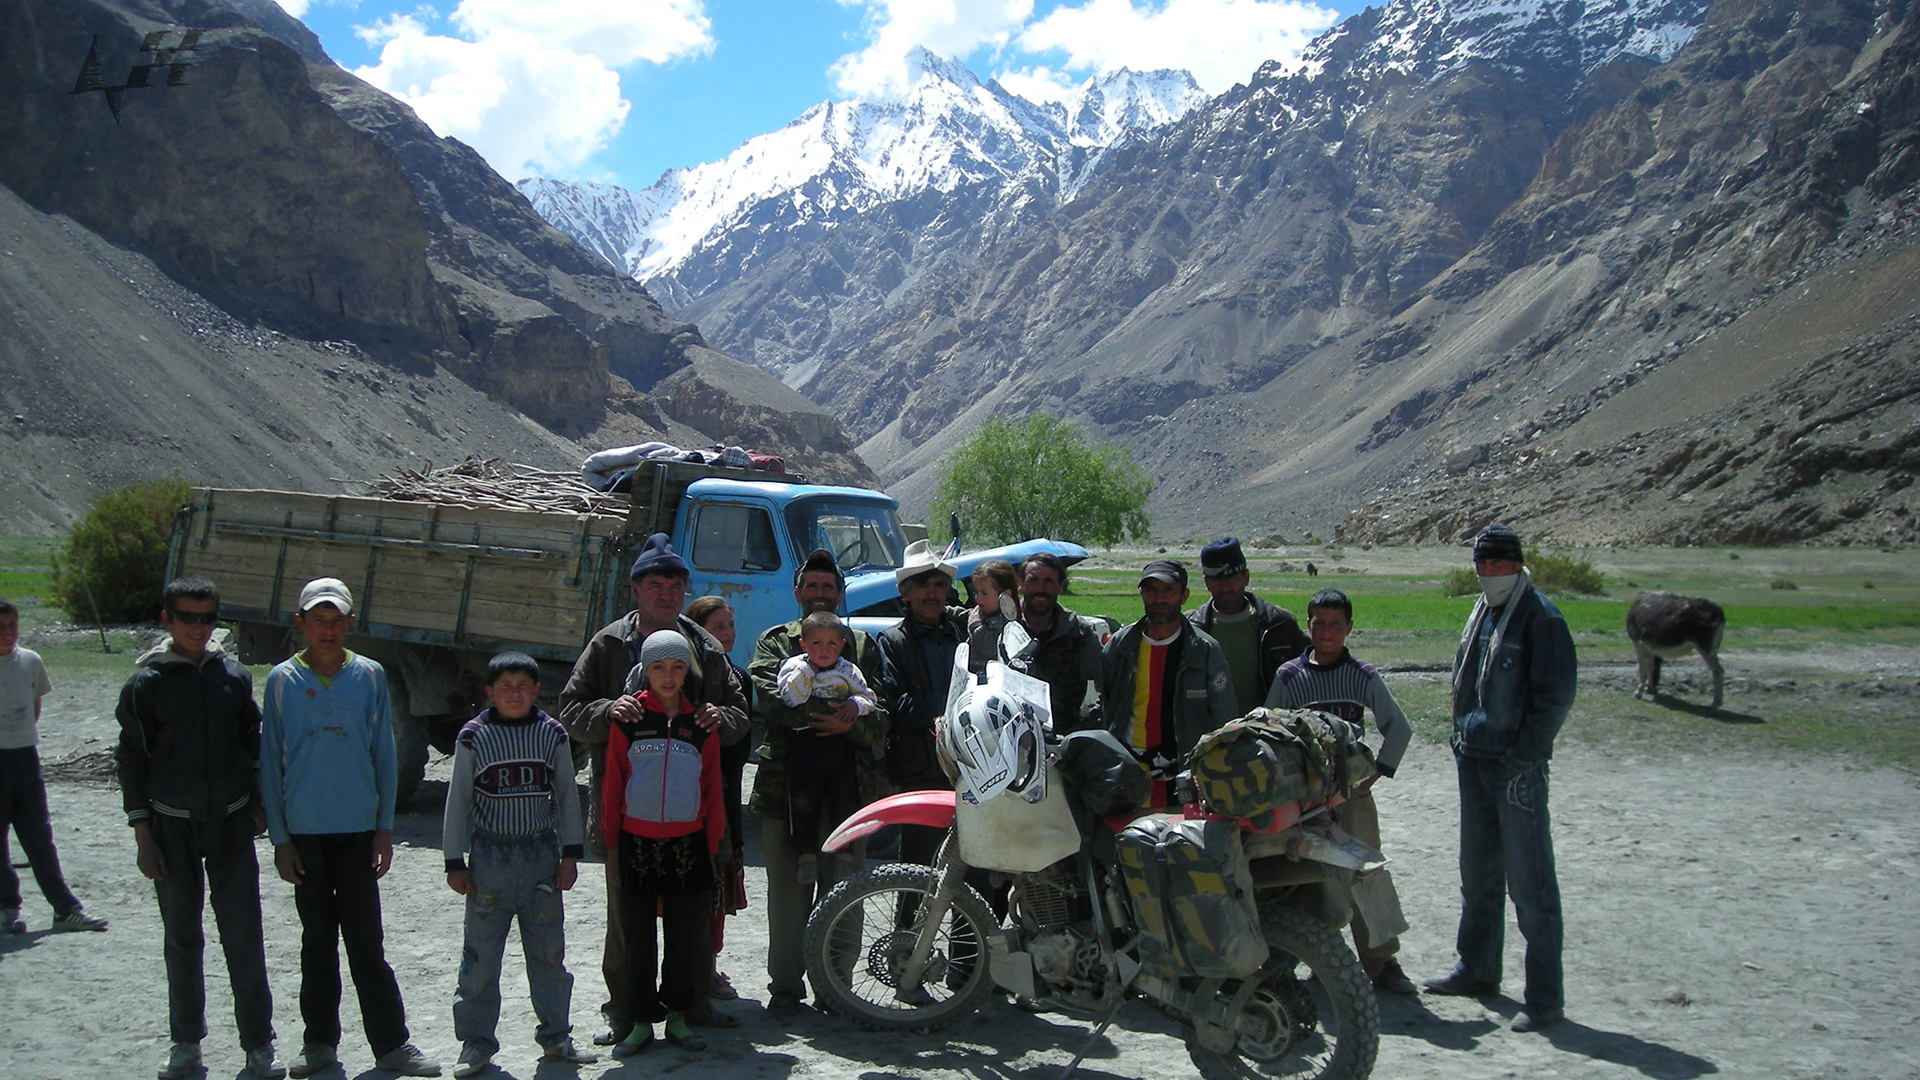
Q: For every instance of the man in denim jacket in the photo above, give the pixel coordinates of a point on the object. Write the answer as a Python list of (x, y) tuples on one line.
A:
[(1513, 683)]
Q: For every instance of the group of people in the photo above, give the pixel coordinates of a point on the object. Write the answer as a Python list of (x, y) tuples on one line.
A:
[(666, 716)]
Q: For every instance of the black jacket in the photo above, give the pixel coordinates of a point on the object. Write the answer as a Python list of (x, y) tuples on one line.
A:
[(1281, 638), (189, 737)]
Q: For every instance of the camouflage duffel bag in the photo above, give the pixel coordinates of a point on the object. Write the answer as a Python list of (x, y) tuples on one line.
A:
[(1271, 757), (1342, 755), (1191, 893)]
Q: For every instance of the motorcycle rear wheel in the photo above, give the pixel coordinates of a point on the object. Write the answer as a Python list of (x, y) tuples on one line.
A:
[(855, 950), (1322, 1021)]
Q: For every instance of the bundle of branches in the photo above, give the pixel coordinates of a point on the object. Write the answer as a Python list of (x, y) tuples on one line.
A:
[(490, 484)]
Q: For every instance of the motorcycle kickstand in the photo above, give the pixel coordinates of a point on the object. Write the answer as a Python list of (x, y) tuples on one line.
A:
[(1099, 1029)]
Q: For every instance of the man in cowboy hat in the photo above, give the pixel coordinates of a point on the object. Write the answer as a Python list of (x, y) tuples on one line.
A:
[(916, 668)]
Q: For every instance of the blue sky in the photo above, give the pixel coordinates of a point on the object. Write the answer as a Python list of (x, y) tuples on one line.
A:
[(620, 90)]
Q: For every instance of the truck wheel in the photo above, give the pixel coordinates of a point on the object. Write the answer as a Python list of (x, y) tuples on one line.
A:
[(409, 739)]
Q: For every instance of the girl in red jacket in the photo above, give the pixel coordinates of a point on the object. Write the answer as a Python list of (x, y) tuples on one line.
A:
[(663, 817)]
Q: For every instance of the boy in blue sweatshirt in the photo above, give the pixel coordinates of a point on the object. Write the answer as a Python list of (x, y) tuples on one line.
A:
[(514, 814), (327, 783)]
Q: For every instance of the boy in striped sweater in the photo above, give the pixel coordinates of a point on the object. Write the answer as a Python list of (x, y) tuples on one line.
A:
[(513, 808), (1328, 678)]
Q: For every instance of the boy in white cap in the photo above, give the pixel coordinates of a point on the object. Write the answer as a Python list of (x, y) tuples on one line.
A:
[(327, 784)]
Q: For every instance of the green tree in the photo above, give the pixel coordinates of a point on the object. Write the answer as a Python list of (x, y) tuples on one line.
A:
[(1042, 477), (116, 556)]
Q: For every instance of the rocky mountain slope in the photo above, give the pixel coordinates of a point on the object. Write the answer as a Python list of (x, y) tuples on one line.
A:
[(948, 169), (298, 205), (1418, 277)]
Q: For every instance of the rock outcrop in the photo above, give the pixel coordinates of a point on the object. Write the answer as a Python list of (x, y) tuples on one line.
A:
[(293, 196)]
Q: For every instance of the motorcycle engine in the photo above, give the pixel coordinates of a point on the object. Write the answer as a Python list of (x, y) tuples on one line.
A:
[(1050, 900)]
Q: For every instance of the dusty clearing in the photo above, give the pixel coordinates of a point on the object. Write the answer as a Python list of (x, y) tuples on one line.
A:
[(1730, 911)]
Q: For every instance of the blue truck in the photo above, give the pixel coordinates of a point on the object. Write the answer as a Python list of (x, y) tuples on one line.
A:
[(440, 587)]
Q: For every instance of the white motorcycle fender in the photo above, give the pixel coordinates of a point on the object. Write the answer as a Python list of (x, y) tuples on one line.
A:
[(1015, 836)]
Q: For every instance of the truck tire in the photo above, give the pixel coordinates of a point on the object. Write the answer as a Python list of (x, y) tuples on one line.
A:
[(409, 739)]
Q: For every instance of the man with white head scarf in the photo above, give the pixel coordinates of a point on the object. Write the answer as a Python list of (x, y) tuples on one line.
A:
[(1513, 684)]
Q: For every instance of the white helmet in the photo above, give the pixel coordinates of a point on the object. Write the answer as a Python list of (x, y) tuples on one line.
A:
[(998, 745)]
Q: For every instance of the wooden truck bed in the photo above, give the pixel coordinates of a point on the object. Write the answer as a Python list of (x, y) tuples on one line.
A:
[(421, 572)]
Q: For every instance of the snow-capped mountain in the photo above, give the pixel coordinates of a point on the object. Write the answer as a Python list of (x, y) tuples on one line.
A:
[(947, 132), (1425, 38)]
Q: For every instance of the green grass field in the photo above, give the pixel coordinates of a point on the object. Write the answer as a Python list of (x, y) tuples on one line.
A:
[(1843, 599)]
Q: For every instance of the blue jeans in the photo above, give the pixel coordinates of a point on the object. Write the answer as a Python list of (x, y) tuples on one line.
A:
[(212, 858), (513, 878), (1506, 847)]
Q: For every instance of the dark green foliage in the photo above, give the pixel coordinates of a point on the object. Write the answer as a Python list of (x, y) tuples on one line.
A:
[(1565, 573), (118, 553), (1041, 477), (1551, 573), (1459, 581)]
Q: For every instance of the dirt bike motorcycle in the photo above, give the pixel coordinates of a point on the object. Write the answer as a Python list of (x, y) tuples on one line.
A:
[(1250, 959)]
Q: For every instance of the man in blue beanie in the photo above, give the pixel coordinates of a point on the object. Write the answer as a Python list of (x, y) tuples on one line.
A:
[(1513, 684), (596, 693)]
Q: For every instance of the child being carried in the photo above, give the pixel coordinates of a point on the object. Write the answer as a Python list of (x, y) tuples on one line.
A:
[(819, 780)]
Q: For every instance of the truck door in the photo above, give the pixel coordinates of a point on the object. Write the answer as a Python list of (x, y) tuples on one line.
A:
[(734, 549)]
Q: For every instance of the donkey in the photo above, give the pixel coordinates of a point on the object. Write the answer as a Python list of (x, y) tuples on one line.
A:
[(1663, 626)]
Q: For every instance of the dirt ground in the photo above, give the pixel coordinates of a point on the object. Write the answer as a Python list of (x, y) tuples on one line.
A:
[(1730, 911)]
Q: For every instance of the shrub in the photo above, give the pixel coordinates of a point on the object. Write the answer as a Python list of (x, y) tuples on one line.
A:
[(1565, 573), (1781, 583), (114, 562), (1459, 581), (1551, 573)]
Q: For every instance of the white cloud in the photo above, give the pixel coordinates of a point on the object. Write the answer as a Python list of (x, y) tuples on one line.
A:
[(949, 28), (1038, 84), (295, 8), (1221, 42), (533, 85)]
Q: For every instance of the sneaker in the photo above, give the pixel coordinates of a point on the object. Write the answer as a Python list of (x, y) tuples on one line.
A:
[(608, 1037), (10, 921), (262, 1065), (182, 1060), (1536, 1018), (407, 1060), (807, 869), (79, 920), (681, 1035), (637, 1040), (473, 1061), (313, 1058), (722, 988), (1457, 983), (566, 1051), (1393, 980)]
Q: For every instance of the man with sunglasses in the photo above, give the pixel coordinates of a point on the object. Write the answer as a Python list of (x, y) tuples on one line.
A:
[(188, 754)]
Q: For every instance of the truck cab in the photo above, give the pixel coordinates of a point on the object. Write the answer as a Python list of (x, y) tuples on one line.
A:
[(745, 540)]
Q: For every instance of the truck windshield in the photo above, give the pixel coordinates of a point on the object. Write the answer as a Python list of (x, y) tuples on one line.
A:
[(861, 535)]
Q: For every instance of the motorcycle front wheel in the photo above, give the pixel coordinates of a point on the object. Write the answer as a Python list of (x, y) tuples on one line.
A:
[(862, 934), (1317, 1018)]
